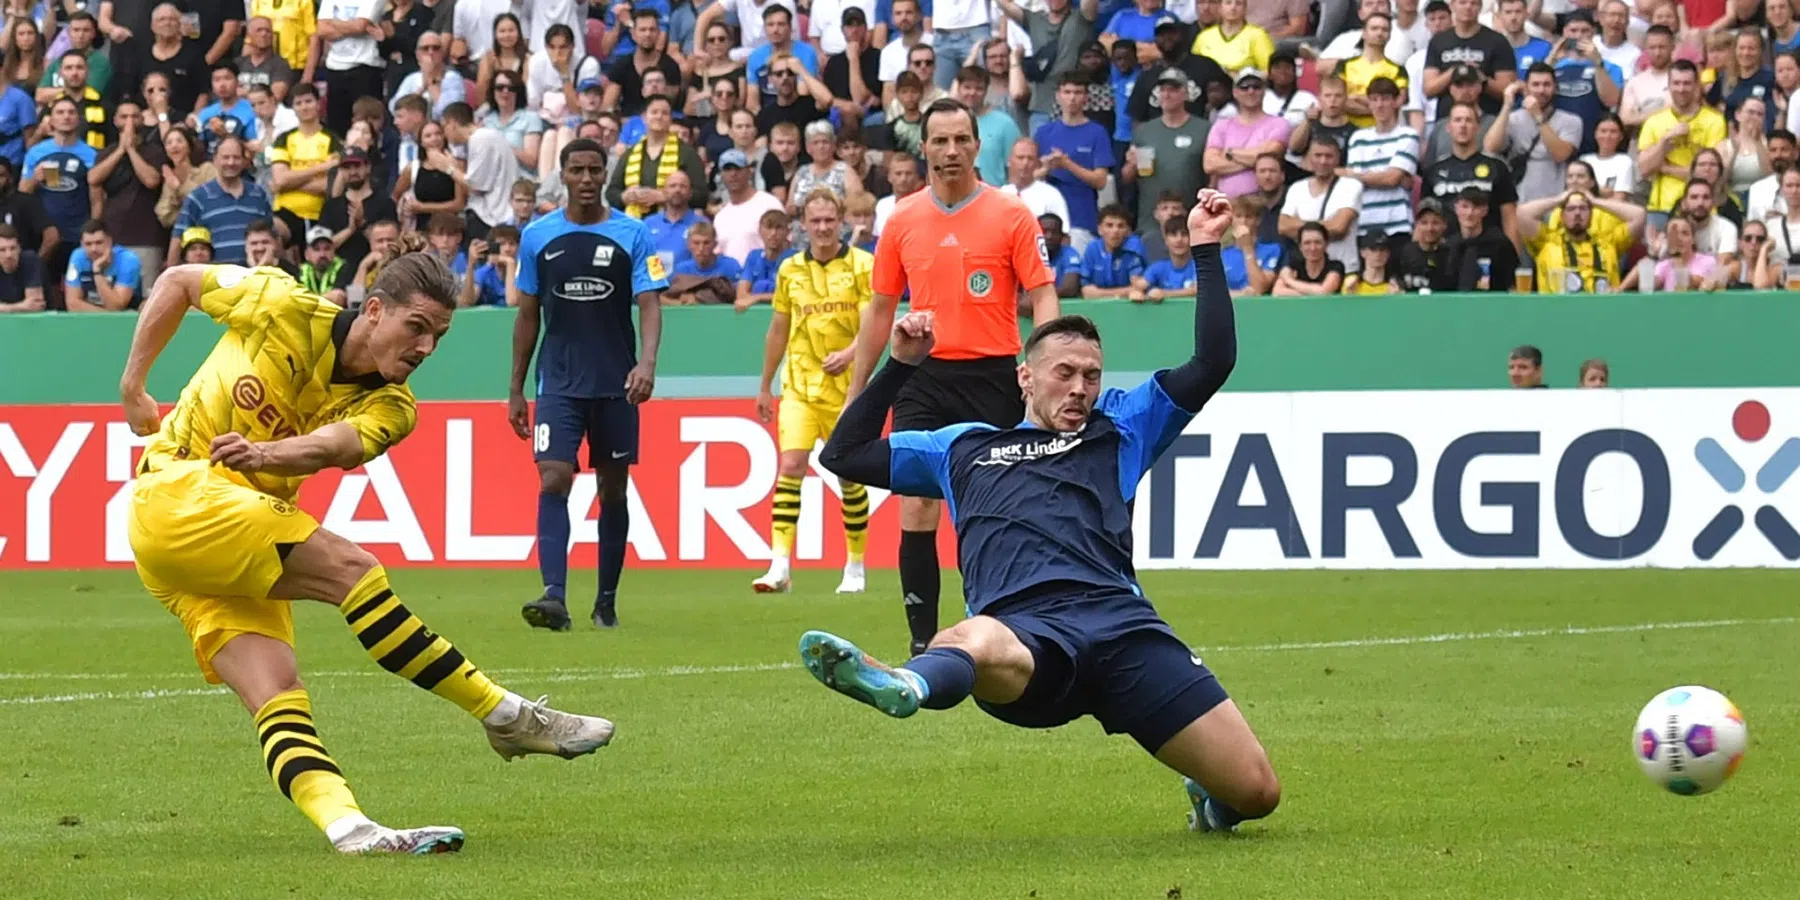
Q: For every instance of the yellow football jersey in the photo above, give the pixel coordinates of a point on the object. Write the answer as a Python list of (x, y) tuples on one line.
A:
[(274, 375), (293, 22), (824, 302)]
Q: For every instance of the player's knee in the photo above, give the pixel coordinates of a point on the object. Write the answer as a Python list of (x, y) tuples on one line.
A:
[(1260, 790), (341, 569), (556, 478), (793, 465), (613, 481), (985, 639), (918, 514)]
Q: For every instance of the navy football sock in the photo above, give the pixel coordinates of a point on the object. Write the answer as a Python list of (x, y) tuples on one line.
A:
[(553, 541), (920, 582), (1223, 817), (615, 526), (949, 675)]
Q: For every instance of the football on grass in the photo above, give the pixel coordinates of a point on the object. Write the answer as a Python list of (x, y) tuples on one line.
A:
[(1690, 739)]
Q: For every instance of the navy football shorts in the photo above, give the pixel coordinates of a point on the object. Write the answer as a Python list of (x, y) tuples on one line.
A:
[(609, 424), (1144, 682)]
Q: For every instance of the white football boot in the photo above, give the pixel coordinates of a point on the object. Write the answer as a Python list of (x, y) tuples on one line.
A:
[(540, 729), (854, 579), (775, 581), (373, 837)]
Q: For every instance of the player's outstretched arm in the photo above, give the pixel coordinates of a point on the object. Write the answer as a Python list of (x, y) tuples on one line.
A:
[(335, 446), (176, 291), (1194, 382), (856, 451)]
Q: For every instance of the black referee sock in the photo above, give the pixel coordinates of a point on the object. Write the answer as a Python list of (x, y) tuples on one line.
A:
[(920, 583)]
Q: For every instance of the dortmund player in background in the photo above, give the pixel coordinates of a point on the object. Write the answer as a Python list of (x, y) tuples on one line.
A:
[(819, 297), (295, 386)]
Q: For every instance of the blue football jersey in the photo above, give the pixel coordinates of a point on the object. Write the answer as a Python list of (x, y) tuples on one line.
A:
[(586, 279), (1013, 490)]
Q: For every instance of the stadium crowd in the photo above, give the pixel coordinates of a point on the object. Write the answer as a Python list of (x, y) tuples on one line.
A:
[(1500, 145)]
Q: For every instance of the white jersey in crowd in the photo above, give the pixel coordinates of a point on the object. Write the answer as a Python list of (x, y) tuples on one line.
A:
[(539, 15), (827, 23), (347, 53), (750, 22), (959, 14), (1042, 199)]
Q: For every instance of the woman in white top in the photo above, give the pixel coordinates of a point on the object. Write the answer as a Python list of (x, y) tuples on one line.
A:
[(509, 53), (1615, 171), (1787, 83), (1749, 147), (558, 72), (1784, 236)]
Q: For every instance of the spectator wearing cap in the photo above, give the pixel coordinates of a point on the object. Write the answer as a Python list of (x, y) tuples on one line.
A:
[(1284, 97), (1137, 23), (1077, 154), (1361, 71), (1385, 158), (128, 175), (1233, 144), (350, 32), (21, 275), (737, 223), (102, 276), (1537, 138), (625, 79), (1464, 166), (826, 23), (1465, 90), (1468, 42), (225, 206), (1374, 276), (323, 270), (636, 185), (491, 170), (1234, 43), (1172, 50), (1424, 263), (1481, 257), (1572, 257), (853, 72), (1169, 153), (1587, 86), (1057, 35), (348, 213), (196, 247), (439, 85)]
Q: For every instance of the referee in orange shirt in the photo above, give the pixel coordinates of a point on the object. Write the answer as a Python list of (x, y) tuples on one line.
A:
[(965, 251)]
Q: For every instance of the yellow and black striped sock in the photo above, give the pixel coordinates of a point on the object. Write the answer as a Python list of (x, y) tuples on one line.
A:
[(784, 518), (303, 771), (402, 644), (856, 518)]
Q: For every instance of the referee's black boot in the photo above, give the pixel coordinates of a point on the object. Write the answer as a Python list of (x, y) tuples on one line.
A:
[(548, 611)]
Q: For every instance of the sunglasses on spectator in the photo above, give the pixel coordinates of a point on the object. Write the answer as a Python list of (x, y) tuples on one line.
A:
[(924, 62), (1755, 238)]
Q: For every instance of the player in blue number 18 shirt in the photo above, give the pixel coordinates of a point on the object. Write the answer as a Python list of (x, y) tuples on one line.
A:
[(583, 268), (1058, 626)]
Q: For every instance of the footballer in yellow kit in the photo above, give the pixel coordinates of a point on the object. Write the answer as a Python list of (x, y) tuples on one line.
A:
[(297, 385), (819, 298)]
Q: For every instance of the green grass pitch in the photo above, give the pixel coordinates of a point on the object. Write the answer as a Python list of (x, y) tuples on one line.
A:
[(1447, 735)]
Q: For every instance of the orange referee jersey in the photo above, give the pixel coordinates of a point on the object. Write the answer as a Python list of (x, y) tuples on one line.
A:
[(967, 265)]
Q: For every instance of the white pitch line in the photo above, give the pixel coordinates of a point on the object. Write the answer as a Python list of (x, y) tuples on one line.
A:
[(578, 674)]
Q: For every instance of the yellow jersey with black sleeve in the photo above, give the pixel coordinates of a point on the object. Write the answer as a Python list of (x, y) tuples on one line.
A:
[(823, 300), (274, 374), (301, 151)]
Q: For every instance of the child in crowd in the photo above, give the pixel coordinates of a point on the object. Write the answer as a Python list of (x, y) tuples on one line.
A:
[(494, 277), (757, 282), (859, 212), (1110, 263), (1172, 277)]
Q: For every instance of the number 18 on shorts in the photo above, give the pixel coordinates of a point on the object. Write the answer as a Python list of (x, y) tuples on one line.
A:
[(609, 424)]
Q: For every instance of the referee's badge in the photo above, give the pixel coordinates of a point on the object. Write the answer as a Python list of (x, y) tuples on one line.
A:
[(980, 283)]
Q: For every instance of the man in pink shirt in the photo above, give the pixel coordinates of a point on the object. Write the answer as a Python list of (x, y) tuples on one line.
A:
[(737, 224), (1234, 143)]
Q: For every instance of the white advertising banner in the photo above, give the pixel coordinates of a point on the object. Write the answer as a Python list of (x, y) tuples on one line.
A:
[(1479, 479)]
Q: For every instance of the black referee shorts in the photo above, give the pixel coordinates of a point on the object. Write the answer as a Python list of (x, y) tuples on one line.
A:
[(953, 391)]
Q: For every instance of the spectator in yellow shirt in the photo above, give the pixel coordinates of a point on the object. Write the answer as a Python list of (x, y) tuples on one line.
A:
[(1671, 137), (1571, 257), (1234, 43), (1358, 71)]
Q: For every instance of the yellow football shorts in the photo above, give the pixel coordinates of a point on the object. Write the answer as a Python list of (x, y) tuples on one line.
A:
[(206, 547), (800, 423)]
